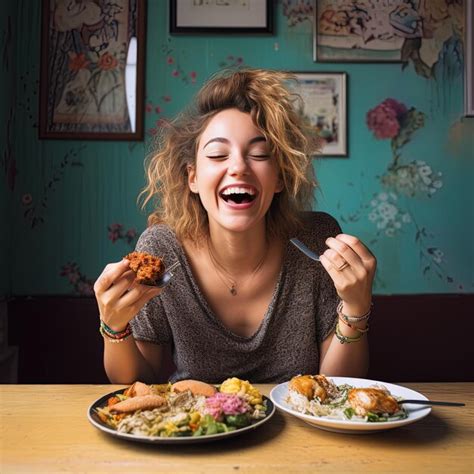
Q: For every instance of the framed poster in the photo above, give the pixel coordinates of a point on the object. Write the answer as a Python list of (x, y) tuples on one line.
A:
[(469, 61), (92, 70), (221, 16), (375, 31), (324, 105)]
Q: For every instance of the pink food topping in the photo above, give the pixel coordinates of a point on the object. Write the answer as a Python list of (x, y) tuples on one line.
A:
[(222, 404)]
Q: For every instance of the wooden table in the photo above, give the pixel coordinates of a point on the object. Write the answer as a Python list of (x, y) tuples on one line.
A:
[(44, 428)]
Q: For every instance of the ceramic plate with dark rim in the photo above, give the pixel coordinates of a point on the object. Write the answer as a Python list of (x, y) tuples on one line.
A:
[(279, 396), (102, 402)]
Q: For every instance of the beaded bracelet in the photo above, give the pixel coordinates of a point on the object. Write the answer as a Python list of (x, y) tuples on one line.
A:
[(115, 336), (352, 319), (346, 339), (355, 328), (110, 330), (107, 337)]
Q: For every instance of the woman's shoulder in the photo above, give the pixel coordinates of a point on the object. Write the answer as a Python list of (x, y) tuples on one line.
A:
[(158, 239), (317, 227), (320, 223)]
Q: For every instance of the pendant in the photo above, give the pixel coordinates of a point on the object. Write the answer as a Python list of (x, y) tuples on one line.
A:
[(232, 290)]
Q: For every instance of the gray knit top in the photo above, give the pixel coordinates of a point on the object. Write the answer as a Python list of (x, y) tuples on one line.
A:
[(301, 314)]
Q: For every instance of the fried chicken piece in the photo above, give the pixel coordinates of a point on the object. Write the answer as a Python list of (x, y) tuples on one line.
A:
[(147, 267), (373, 400), (312, 386)]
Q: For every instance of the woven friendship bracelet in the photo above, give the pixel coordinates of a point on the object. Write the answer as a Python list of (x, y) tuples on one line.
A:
[(346, 339), (361, 330), (352, 319)]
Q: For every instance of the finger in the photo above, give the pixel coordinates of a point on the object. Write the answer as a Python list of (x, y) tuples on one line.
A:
[(336, 276), (145, 298), (111, 273), (136, 293), (122, 285), (345, 251), (335, 259), (355, 244)]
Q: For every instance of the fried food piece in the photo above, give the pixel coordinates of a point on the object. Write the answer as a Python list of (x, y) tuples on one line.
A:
[(373, 400), (144, 402), (138, 389), (147, 267), (195, 386), (312, 386)]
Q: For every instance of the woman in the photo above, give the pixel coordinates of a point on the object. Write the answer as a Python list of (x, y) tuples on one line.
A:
[(233, 177)]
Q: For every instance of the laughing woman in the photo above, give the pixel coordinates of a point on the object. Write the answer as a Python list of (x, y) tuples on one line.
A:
[(231, 182)]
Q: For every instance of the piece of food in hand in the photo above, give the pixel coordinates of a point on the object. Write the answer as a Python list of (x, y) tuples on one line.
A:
[(144, 402), (148, 268), (313, 386), (372, 400), (195, 386)]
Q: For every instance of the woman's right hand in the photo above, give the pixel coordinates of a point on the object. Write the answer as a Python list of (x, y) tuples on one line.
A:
[(119, 297)]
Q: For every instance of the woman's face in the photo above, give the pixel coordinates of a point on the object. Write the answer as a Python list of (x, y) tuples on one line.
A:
[(235, 176)]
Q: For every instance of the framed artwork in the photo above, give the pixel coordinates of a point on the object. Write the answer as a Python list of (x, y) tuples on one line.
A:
[(92, 70), (375, 31), (324, 105), (469, 61), (221, 16)]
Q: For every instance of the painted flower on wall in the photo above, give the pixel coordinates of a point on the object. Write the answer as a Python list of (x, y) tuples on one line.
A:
[(81, 284), (117, 232), (393, 120)]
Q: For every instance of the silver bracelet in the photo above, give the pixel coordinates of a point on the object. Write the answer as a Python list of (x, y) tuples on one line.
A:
[(352, 319)]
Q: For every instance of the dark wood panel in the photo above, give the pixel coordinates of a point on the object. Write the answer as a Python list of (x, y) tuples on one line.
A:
[(412, 338)]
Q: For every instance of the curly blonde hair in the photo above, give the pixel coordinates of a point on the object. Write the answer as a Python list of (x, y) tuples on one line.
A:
[(264, 95)]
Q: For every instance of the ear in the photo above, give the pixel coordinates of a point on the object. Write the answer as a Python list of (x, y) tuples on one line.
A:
[(192, 179), (279, 186)]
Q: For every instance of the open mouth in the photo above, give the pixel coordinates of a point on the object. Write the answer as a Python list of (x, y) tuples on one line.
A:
[(238, 195)]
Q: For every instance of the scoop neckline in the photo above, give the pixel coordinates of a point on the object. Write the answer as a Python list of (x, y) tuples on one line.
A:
[(213, 316)]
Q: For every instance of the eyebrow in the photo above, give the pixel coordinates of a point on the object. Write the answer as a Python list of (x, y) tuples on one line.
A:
[(260, 138)]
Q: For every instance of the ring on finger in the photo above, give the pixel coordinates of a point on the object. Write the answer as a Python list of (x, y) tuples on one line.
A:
[(341, 267)]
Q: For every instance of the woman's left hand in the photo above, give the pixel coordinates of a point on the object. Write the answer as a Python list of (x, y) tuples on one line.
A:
[(351, 266)]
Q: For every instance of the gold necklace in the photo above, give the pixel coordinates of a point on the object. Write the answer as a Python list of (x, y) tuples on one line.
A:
[(229, 282)]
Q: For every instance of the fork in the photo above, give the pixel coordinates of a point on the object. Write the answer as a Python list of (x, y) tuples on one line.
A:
[(301, 246), (166, 277)]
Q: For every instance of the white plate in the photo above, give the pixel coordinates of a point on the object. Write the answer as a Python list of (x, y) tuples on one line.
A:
[(279, 394), (102, 401)]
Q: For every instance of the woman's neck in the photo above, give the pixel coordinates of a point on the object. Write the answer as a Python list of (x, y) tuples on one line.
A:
[(238, 252)]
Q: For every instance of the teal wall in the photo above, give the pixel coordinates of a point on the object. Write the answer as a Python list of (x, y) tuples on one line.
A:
[(7, 157), (55, 230)]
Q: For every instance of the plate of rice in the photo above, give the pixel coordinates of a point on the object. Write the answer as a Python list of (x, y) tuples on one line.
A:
[(188, 411), (348, 405)]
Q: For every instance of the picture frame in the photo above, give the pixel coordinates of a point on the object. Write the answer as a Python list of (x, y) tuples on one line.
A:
[(221, 16), (469, 62), (375, 32), (324, 105), (92, 70)]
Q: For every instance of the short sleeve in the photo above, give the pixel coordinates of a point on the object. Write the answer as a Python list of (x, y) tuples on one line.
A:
[(151, 324)]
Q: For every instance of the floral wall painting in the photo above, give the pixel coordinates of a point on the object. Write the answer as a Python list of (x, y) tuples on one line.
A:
[(92, 69), (324, 105), (221, 16), (387, 31), (469, 61)]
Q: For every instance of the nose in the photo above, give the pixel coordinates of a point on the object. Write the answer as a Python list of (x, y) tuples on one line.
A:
[(237, 165)]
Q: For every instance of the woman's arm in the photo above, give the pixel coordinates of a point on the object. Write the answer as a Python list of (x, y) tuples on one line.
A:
[(119, 299), (351, 266)]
